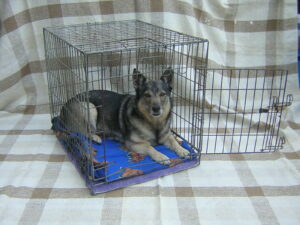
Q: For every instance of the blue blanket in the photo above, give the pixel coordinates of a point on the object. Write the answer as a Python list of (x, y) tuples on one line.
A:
[(112, 161)]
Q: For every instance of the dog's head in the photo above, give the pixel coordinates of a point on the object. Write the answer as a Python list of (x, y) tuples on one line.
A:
[(153, 97)]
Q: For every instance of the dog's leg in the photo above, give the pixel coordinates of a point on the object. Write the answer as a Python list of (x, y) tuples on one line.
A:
[(170, 141), (96, 138), (93, 123), (146, 149)]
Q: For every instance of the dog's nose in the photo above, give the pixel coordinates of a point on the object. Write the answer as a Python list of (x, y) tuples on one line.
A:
[(156, 108)]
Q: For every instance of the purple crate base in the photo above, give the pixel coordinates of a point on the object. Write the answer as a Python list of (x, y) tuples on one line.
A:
[(105, 187), (97, 188)]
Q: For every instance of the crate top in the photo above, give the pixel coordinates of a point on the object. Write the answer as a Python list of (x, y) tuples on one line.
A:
[(119, 35)]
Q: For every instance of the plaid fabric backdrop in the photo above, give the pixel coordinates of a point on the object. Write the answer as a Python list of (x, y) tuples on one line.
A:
[(39, 185)]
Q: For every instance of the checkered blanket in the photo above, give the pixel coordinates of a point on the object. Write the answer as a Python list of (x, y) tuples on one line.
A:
[(38, 183)]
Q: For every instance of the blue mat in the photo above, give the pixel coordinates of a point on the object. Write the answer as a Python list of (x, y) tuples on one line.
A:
[(114, 161)]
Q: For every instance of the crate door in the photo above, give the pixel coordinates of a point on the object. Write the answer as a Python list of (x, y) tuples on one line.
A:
[(242, 110)]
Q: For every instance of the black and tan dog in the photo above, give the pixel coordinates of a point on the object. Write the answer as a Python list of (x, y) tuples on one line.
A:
[(139, 121)]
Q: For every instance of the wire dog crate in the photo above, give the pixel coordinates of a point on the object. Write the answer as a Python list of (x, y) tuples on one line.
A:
[(214, 111), (102, 56)]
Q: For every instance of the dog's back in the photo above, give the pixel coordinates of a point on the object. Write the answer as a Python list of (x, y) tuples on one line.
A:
[(109, 106), (102, 110)]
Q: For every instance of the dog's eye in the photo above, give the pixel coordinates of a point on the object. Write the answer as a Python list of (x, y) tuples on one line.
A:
[(162, 94), (147, 95)]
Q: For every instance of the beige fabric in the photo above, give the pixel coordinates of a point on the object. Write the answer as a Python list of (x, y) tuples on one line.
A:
[(39, 185)]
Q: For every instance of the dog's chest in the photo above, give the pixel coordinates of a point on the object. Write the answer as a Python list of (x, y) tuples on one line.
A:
[(150, 133)]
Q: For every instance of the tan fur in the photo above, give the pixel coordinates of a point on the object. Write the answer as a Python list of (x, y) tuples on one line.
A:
[(155, 120), (140, 139), (145, 148), (171, 142)]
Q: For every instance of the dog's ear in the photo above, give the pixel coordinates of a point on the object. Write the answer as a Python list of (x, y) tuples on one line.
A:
[(138, 78), (167, 77)]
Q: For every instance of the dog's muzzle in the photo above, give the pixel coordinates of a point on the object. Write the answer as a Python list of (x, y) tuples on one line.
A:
[(156, 111)]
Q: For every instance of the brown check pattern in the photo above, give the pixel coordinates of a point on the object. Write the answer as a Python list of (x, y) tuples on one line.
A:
[(39, 185)]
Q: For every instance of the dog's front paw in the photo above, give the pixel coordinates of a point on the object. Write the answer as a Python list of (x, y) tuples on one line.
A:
[(96, 138), (161, 158), (183, 153)]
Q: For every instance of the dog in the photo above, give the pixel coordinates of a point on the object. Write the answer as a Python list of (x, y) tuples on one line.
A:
[(139, 121)]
